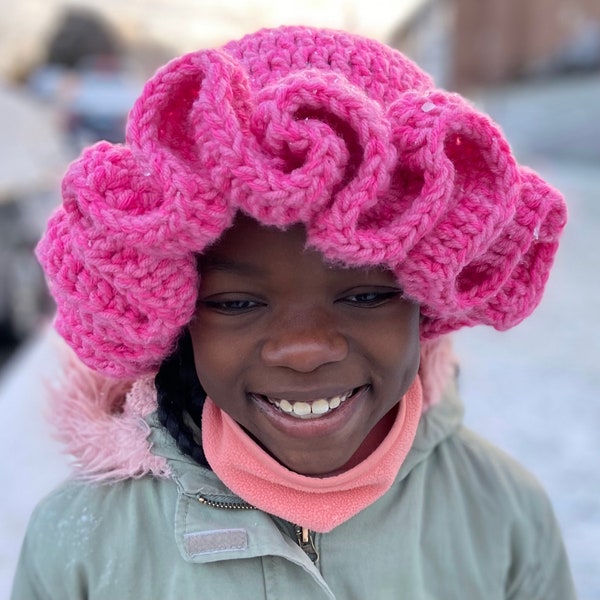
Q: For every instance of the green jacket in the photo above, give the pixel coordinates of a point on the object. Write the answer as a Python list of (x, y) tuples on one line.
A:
[(462, 522)]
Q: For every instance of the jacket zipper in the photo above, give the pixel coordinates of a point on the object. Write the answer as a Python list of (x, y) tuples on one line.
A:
[(304, 536), (227, 505), (307, 543)]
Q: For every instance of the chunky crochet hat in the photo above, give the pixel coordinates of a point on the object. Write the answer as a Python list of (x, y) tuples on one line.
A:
[(293, 125)]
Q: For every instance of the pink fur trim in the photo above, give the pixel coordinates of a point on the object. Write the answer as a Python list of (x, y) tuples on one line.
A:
[(101, 422), (438, 366)]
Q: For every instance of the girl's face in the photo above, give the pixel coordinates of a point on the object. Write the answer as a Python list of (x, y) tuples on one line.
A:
[(307, 357)]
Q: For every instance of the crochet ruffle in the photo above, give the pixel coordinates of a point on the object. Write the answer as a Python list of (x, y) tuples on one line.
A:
[(340, 133)]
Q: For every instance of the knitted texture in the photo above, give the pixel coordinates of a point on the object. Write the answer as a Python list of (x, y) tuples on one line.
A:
[(295, 125)]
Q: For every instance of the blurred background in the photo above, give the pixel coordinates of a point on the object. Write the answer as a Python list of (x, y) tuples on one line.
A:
[(69, 72)]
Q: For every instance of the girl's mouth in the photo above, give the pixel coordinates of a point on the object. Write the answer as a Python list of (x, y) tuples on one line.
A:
[(312, 409)]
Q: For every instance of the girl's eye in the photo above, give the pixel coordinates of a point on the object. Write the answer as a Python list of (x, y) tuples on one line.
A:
[(230, 306), (370, 299)]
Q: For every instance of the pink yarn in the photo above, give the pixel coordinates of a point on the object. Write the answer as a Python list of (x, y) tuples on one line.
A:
[(293, 125)]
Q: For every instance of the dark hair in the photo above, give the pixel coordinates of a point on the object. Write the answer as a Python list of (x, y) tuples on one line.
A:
[(179, 392)]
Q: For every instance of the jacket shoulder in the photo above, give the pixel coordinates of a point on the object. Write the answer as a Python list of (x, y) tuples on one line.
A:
[(494, 469), (497, 489), (76, 532)]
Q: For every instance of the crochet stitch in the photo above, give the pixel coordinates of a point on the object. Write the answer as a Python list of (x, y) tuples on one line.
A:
[(337, 132)]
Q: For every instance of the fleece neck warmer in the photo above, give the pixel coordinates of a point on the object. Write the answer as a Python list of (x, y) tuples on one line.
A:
[(319, 504)]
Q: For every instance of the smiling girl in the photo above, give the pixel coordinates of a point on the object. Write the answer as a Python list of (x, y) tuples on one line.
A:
[(261, 283)]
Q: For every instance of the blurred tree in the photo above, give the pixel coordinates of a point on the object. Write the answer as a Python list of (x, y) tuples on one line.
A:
[(81, 33)]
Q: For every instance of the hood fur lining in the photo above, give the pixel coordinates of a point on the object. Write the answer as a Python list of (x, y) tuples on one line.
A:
[(101, 423)]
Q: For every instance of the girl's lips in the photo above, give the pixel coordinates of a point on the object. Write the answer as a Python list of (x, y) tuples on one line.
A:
[(307, 419)]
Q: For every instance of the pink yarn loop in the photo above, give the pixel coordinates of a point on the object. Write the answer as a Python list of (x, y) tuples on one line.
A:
[(169, 130), (463, 147), (312, 125), (113, 203), (530, 243)]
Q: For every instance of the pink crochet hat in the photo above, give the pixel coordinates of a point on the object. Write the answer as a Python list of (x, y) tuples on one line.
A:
[(293, 125)]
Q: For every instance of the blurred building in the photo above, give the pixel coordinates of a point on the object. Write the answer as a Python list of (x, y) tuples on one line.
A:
[(428, 38), (533, 65), (467, 44), (502, 40)]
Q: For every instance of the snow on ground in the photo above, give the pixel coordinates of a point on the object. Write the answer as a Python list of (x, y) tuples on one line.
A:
[(534, 390), (32, 464)]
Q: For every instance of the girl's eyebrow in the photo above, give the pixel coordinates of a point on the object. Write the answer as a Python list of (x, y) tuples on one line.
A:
[(221, 263)]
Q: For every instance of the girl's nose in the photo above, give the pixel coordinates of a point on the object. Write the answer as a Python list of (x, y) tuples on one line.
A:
[(304, 345)]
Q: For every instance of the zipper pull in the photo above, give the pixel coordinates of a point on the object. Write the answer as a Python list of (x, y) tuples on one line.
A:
[(307, 543)]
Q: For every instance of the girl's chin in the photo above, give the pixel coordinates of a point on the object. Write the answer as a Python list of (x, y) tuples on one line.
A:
[(320, 468)]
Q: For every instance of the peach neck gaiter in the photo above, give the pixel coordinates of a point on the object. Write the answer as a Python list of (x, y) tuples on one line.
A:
[(317, 503)]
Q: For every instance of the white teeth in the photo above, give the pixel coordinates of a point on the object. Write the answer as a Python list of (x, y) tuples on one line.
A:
[(285, 406), (320, 407), (301, 408), (304, 409)]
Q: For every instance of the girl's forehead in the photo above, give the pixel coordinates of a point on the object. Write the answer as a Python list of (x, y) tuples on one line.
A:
[(246, 233)]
